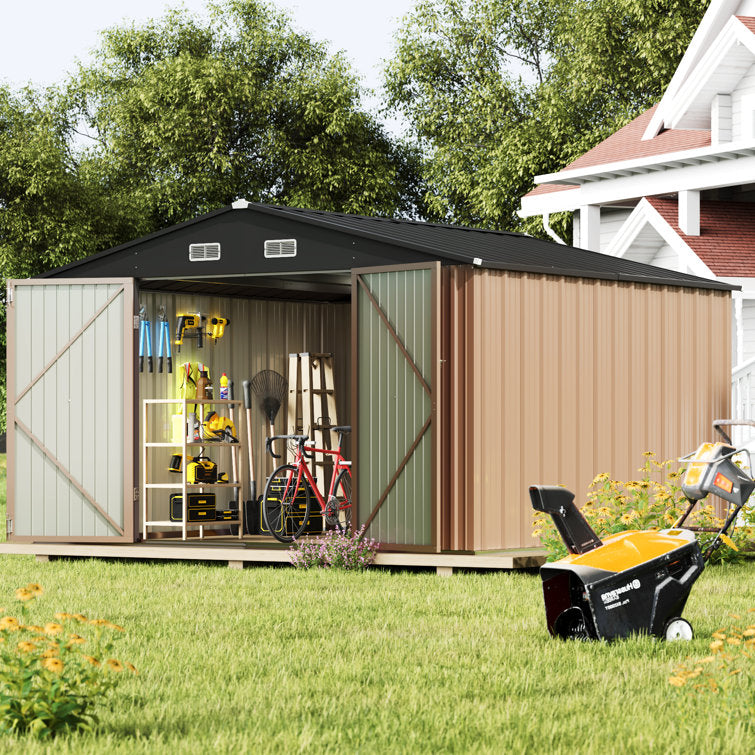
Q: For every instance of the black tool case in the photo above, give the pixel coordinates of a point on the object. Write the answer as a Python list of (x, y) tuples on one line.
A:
[(201, 507)]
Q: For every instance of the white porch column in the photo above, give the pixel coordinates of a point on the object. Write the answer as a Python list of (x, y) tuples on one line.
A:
[(689, 212), (739, 357), (589, 227)]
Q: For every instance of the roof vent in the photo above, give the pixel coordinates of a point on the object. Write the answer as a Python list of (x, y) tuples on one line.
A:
[(280, 248), (204, 252)]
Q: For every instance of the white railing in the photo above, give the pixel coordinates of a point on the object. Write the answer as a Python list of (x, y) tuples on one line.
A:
[(743, 402)]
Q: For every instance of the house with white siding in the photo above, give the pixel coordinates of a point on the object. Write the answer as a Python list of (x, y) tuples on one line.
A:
[(676, 186)]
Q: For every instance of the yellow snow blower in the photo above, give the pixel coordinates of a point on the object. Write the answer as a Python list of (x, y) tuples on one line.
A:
[(636, 582)]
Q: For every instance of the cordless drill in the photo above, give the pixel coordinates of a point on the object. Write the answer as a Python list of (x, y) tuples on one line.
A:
[(191, 321)]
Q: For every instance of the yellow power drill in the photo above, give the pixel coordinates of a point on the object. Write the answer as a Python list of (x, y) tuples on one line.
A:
[(217, 327), (193, 320)]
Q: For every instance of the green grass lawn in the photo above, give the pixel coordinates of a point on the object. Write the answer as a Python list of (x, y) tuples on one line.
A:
[(277, 660)]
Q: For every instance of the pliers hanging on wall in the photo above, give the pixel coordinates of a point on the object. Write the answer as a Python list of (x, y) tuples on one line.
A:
[(145, 335), (163, 342)]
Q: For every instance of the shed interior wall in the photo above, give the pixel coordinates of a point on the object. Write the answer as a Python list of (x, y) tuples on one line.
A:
[(260, 336), (551, 380)]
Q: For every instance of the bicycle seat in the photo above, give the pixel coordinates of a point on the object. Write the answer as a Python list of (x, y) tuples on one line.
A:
[(342, 429)]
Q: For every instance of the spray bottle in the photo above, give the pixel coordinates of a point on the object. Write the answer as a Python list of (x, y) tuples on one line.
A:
[(223, 387)]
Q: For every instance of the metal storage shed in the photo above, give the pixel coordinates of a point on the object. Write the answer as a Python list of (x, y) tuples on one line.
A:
[(471, 364)]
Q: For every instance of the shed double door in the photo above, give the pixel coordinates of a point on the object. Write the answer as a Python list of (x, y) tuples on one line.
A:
[(71, 378), (396, 370)]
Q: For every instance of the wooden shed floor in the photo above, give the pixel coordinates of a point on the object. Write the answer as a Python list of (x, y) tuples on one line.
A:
[(240, 554)]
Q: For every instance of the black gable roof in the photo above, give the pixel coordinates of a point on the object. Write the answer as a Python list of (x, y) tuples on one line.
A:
[(330, 241)]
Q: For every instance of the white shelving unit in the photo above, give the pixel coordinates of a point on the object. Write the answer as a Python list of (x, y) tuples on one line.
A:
[(197, 448)]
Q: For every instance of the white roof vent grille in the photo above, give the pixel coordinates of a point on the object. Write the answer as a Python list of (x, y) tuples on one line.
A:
[(204, 252), (280, 248)]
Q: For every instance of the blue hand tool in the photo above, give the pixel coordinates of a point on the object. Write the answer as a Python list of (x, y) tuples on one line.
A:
[(145, 336), (163, 342)]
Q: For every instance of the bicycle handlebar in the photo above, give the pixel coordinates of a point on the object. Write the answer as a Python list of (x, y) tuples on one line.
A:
[(298, 438)]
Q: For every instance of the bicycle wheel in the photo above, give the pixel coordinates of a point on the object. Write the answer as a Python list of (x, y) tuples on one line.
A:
[(342, 493), (284, 508)]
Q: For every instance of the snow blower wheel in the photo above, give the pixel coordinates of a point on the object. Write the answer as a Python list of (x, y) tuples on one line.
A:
[(678, 629)]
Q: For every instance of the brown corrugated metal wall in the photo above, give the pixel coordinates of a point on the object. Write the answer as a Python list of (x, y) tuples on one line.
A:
[(552, 379)]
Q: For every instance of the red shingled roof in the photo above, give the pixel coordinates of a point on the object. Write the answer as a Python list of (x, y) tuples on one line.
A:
[(549, 189), (627, 143), (747, 21), (726, 243)]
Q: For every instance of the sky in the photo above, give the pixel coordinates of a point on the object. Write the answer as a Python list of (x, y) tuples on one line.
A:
[(40, 41)]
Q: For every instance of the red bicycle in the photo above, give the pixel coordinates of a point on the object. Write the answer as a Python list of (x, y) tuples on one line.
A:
[(287, 499)]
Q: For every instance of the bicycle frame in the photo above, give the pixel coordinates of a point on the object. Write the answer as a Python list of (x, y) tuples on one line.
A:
[(339, 464)]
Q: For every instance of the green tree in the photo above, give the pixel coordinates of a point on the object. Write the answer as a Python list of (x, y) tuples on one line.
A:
[(498, 91), (187, 114)]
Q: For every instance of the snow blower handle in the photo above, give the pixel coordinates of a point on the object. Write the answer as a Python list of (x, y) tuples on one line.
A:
[(718, 424), (576, 533)]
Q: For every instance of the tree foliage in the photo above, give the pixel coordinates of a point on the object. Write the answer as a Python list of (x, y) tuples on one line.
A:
[(498, 91), (189, 114)]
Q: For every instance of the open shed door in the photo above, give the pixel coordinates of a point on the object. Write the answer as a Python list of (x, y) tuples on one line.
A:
[(396, 355), (71, 410)]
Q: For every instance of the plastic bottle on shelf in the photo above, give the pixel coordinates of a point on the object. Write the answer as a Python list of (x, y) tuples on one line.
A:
[(223, 387)]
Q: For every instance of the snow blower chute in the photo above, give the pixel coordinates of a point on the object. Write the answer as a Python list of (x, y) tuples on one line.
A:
[(635, 582)]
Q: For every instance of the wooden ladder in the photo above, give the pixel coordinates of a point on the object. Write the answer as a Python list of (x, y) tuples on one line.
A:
[(312, 406)]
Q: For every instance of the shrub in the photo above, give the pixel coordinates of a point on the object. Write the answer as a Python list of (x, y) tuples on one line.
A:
[(613, 506), (335, 550), (51, 677)]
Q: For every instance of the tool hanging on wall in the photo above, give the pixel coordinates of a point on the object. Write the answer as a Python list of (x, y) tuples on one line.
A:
[(190, 321), (145, 337), (217, 327), (164, 341)]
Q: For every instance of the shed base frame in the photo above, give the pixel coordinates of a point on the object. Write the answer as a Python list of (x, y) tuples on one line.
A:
[(238, 556)]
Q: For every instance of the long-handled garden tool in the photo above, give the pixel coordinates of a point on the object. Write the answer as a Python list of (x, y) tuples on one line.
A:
[(248, 405), (636, 581), (269, 388)]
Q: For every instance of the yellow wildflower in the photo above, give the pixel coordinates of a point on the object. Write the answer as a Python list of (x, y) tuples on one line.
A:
[(34, 588), (734, 641), (9, 623), (23, 594), (91, 660), (114, 665), (53, 628), (51, 652), (53, 664), (536, 533), (677, 681), (628, 516), (99, 622), (719, 635), (26, 647), (63, 616), (708, 659), (79, 617), (131, 667), (76, 639), (34, 628), (716, 646)]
